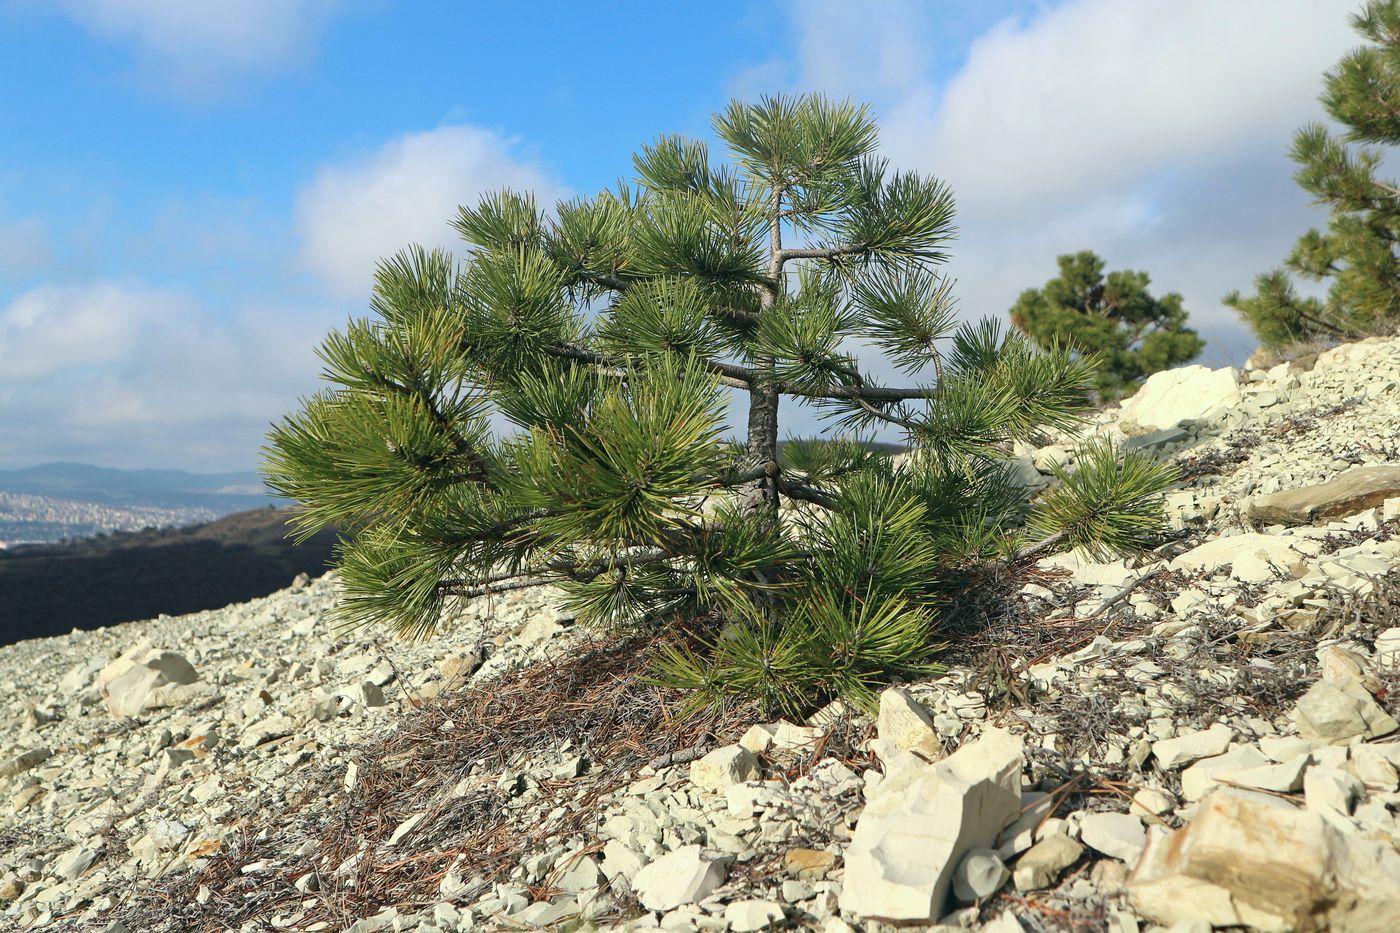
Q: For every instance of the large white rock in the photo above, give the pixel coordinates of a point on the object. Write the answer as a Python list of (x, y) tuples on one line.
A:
[(1252, 557), (919, 822), (680, 877), (1339, 712), (1172, 396), (127, 683), (1249, 859)]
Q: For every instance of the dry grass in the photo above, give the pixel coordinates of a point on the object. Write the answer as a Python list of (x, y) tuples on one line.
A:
[(596, 700)]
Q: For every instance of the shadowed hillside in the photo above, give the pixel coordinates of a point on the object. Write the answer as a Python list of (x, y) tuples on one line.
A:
[(51, 589)]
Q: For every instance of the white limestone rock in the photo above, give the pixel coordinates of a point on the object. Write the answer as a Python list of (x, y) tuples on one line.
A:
[(920, 821), (1252, 557), (1043, 862), (1254, 860), (1172, 396), (979, 875), (905, 725), (724, 767), (1336, 713), (1117, 835), (750, 915), (1189, 747), (680, 877), (1200, 777), (128, 682)]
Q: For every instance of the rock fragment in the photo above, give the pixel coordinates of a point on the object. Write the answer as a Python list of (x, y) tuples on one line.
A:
[(921, 819), (1336, 713), (1117, 835), (1357, 489), (724, 767), (1184, 749), (680, 877), (1249, 859), (1172, 396), (1042, 863)]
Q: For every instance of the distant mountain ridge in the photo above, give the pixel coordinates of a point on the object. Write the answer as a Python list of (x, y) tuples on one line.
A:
[(225, 492), (71, 501)]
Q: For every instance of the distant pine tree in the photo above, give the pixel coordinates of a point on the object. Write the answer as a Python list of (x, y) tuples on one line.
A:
[(1132, 333), (615, 332), (1359, 254)]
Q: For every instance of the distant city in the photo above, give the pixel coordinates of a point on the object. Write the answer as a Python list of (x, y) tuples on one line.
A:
[(55, 502), (35, 519)]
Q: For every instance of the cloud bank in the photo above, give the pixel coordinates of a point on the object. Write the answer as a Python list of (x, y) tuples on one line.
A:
[(353, 213), (1154, 132)]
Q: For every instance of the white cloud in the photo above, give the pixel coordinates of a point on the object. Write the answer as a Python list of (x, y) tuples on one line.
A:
[(194, 47), (1097, 92), (1153, 132), (53, 328), (128, 375), (353, 214)]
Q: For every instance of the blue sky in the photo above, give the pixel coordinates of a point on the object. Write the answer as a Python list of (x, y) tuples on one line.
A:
[(192, 192)]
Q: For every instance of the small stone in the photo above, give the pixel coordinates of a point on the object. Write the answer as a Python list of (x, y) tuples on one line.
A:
[(70, 865), (905, 724), (758, 739), (1192, 746), (370, 694), (1117, 835), (748, 916), (732, 764), (1331, 790), (1281, 778), (1151, 801), (680, 877), (808, 864), (979, 875), (18, 764), (1200, 777), (1042, 863)]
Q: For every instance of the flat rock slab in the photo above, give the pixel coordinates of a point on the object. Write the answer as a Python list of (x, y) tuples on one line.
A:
[(1249, 859), (1353, 491)]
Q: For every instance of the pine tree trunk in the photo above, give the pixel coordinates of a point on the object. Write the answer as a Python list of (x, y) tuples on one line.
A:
[(762, 495)]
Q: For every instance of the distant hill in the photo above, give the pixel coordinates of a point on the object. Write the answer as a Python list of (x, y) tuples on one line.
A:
[(50, 589), (168, 488), (64, 501)]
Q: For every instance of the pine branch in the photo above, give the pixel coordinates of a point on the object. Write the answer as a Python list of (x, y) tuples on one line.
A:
[(782, 256), (729, 374), (805, 493)]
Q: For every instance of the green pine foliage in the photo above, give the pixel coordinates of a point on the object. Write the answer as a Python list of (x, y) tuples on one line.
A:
[(1357, 257), (614, 335), (1132, 333)]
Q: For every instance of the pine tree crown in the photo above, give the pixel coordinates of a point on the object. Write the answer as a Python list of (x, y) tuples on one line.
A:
[(613, 335)]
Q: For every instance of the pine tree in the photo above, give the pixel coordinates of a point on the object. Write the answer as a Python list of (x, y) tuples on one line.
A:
[(614, 333), (1132, 333), (1359, 254)]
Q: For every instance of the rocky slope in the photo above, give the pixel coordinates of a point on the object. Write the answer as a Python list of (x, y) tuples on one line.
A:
[(1204, 738)]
